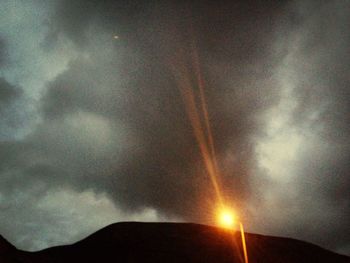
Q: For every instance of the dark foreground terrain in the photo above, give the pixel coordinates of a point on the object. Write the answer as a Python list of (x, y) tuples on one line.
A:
[(172, 242)]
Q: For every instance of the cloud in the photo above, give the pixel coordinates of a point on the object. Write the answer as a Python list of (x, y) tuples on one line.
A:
[(53, 219), (324, 113), (313, 117), (7, 92), (140, 92), (2, 52), (113, 130), (10, 96)]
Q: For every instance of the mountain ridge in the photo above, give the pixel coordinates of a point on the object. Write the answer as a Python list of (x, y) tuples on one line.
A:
[(175, 242)]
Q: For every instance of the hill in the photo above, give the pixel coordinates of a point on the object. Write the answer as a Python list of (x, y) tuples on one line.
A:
[(172, 242)]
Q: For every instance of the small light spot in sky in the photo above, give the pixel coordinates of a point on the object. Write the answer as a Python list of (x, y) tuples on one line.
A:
[(116, 37)]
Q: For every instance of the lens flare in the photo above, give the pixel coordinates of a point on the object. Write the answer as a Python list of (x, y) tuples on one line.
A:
[(227, 219), (197, 110)]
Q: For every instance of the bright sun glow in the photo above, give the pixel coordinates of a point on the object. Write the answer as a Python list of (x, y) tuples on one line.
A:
[(227, 219)]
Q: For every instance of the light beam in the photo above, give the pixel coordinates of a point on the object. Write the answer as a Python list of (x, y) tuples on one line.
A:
[(199, 119)]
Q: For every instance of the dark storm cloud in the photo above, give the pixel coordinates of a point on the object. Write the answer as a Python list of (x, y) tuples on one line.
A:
[(75, 18), (164, 169), (114, 122), (9, 114), (7, 92), (2, 52), (323, 79)]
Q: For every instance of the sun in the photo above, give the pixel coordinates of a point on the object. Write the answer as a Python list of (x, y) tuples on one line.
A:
[(226, 219)]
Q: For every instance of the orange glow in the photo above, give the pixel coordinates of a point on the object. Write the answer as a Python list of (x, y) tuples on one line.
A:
[(194, 98), (193, 94), (200, 129), (244, 245), (227, 219)]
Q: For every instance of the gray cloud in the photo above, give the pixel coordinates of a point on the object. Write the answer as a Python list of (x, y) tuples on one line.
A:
[(113, 121), (318, 115), (7, 92), (2, 52), (164, 169), (321, 62), (9, 114)]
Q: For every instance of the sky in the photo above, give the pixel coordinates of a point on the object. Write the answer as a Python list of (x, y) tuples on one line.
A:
[(94, 130)]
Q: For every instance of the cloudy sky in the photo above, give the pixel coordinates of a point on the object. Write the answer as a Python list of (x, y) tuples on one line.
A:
[(93, 128)]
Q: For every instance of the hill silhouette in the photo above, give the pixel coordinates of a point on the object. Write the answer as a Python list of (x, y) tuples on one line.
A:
[(172, 242)]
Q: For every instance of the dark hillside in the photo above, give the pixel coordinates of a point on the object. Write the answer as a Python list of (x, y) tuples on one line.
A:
[(177, 242)]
